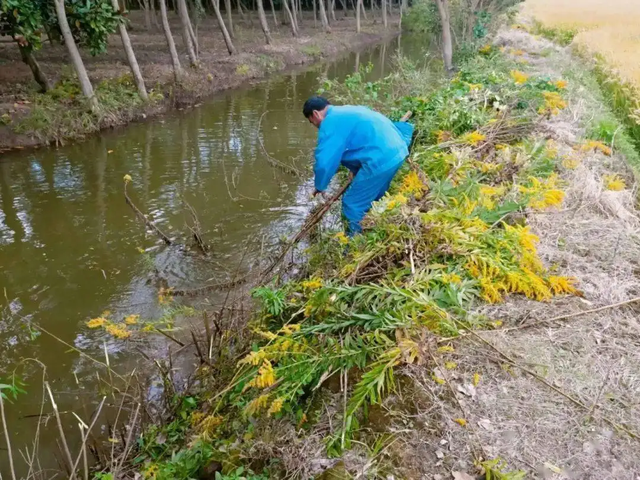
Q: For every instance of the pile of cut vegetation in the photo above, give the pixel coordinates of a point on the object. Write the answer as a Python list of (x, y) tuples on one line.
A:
[(404, 350)]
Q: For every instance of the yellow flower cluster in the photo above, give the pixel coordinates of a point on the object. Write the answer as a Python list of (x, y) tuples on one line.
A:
[(519, 77), (254, 358), (131, 319), (96, 322), (454, 278), (290, 329), (341, 238), (543, 193), (560, 84), (443, 136), (614, 182), (396, 201), (312, 284), (570, 162), (164, 296), (412, 185), (474, 138), (553, 103), (265, 378), (276, 406), (207, 426), (117, 330), (486, 49), (595, 145), (561, 285), (256, 404)]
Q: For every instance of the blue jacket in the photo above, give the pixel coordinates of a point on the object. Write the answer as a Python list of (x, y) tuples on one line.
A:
[(361, 140)]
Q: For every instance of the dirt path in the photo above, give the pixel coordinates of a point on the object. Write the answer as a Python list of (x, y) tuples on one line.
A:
[(219, 70)]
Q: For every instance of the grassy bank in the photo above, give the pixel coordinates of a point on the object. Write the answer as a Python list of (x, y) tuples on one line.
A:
[(422, 337), (607, 37), (28, 118)]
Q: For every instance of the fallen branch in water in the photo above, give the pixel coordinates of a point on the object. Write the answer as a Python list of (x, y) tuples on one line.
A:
[(290, 169), (142, 216), (209, 288), (196, 230)]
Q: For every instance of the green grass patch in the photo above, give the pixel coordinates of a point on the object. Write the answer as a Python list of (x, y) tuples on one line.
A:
[(559, 35), (64, 113)]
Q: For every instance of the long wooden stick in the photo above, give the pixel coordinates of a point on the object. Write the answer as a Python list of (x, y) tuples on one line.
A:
[(569, 397), (570, 315), (315, 218), (7, 437), (67, 453), (310, 223), (144, 218)]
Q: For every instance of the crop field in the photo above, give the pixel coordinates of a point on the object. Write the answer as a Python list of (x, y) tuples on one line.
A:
[(611, 28)]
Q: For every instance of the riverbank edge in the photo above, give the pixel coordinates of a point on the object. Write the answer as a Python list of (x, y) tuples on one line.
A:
[(199, 86), (620, 95)]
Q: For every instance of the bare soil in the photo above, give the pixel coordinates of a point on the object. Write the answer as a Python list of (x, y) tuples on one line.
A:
[(218, 70)]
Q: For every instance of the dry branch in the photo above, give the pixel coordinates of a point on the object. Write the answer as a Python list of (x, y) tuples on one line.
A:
[(290, 169), (144, 218)]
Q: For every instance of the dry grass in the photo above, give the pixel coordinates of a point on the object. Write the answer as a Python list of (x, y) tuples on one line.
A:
[(611, 28)]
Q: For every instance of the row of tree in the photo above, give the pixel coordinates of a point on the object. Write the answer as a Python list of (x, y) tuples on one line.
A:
[(88, 24)]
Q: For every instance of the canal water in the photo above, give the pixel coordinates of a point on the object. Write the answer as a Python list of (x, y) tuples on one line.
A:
[(71, 249)]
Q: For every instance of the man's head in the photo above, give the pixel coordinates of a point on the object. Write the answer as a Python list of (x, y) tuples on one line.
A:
[(315, 109)]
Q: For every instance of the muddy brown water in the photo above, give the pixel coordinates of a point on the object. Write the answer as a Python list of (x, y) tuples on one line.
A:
[(70, 246)]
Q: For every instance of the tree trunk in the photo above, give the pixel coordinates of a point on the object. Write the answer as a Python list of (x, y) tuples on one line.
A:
[(364, 12), (344, 8), (294, 9), (241, 10), (227, 39), (175, 60), (447, 47), (194, 39), (385, 21), (292, 17), (315, 13), (323, 16), (131, 57), (76, 59), (147, 14), (154, 15), (294, 30), (26, 52), (358, 8), (332, 10), (227, 7), (263, 22), (186, 33), (273, 11)]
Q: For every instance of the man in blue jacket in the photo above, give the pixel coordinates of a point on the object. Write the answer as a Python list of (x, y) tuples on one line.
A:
[(370, 145)]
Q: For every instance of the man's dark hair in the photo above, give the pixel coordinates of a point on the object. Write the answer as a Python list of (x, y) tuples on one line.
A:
[(314, 104)]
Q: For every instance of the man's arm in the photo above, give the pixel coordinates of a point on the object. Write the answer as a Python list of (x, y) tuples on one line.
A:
[(331, 146)]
